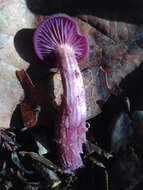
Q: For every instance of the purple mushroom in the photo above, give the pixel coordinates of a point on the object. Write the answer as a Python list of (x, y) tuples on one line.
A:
[(59, 35)]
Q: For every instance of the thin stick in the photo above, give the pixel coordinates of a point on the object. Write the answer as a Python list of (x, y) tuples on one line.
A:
[(107, 179)]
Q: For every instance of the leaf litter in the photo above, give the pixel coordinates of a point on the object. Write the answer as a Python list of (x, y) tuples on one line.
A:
[(114, 145)]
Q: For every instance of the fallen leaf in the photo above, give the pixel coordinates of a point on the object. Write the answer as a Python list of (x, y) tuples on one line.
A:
[(34, 97), (115, 50)]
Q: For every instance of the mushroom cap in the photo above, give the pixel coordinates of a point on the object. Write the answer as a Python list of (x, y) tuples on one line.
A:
[(59, 29)]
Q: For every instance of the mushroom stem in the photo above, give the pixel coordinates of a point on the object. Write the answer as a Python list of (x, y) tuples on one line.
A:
[(60, 34), (71, 132)]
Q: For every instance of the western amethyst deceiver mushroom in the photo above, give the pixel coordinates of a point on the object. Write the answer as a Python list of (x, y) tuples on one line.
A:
[(59, 35)]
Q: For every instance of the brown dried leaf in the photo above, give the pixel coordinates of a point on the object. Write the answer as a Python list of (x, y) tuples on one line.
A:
[(35, 96), (115, 50)]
